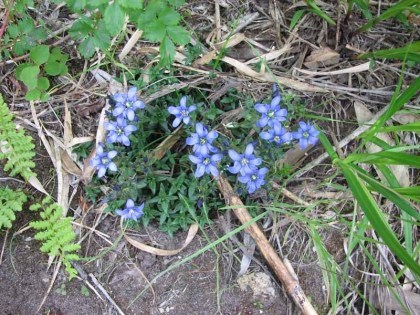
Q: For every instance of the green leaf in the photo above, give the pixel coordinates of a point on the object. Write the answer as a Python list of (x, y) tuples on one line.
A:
[(29, 76), (40, 54), (296, 18), (176, 3), (43, 83), (179, 35), (131, 4), (156, 31), (415, 127), (167, 51), (33, 95), (87, 47), (81, 28), (410, 52), (114, 18), (169, 16), (76, 5), (376, 217)]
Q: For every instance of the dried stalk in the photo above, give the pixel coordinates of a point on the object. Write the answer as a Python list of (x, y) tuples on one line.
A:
[(286, 278)]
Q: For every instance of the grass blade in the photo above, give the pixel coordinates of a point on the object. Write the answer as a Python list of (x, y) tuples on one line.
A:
[(409, 52)]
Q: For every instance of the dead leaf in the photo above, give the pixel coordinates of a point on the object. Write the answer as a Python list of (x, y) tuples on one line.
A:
[(356, 69), (321, 58)]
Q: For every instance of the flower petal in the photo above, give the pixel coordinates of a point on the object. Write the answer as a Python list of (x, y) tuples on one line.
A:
[(235, 168), (216, 157), (234, 155), (176, 122), (262, 122), (195, 159), (173, 110), (276, 100), (192, 140), (186, 120), (303, 125), (200, 171), (200, 129), (265, 135), (249, 149), (132, 93), (183, 101), (112, 167), (244, 179), (118, 111), (192, 108), (101, 171), (213, 170), (112, 154), (130, 114), (303, 143), (130, 203), (261, 108)]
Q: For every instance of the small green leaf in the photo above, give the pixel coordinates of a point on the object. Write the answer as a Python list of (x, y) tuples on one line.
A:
[(114, 18), (87, 47), (167, 51), (29, 76), (169, 16), (43, 83), (156, 31), (81, 28), (33, 95), (179, 35), (296, 18), (40, 54), (176, 3), (84, 291), (132, 4)]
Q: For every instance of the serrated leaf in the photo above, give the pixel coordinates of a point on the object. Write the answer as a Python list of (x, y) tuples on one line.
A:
[(13, 30), (87, 47), (167, 51), (176, 3), (132, 4), (43, 83), (169, 16), (114, 18), (81, 28), (33, 95), (40, 54), (155, 31), (53, 68), (29, 76), (179, 35), (76, 5)]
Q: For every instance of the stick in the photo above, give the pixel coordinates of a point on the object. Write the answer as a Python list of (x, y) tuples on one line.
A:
[(290, 283)]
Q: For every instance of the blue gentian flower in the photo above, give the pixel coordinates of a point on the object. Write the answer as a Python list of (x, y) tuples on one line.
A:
[(307, 134), (201, 141), (278, 135), (182, 112), (131, 212), (254, 180), (119, 131), (103, 161), (206, 164), (127, 104), (244, 163), (272, 114)]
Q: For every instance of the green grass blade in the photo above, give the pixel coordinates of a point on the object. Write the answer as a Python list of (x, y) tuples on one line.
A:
[(393, 11), (296, 18), (318, 11), (385, 157), (414, 127), (410, 52), (411, 192), (376, 217), (328, 147)]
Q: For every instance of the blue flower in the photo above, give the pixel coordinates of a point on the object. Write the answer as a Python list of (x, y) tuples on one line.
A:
[(244, 163), (206, 164), (131, 211), (201, 141), (254, 180), (272, 114), (119, 131), (103, 161), (278, 135), (307, 134), (182, 112), (127, 104), (276, 91)]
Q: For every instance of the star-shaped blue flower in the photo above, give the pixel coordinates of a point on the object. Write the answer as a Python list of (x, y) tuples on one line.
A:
[(271, 114), (127, 104), (278, 135), (202, 139), (131, 212), (254, 180), (103, 161), (118, 131), (244, 163), (182, 112), (306, 134), (206, 164)]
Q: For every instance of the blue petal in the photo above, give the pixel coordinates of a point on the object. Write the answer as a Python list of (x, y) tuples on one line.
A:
[(303, 143), (130, 203), (261, 108), (183, 101), (173, 110), (203, 150), (130, 114), (195, 159), (112, 138), (200, 130), (118, 111), (125, 141), (200, 171), (212, 135), (192, 108), (216, 157), (303, 125), (186, 120), (112, 154), (249, 149), (129, 129), (132, 92), (262, 122), (297, 135), (234, 155), (265, 135), (176, 122), (244, 179), (235, 168), (193, 139), (214, 171), (112, 167), (276, 100), (101, 171)]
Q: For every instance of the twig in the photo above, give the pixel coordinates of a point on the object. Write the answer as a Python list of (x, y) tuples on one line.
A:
[(282, 272), (102, 289), (247, 19), (5, 19), (4, 245)]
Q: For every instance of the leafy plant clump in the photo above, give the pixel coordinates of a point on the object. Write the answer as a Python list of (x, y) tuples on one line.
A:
[(43, 62), (15, 146), (10, 202), (56, 234), (157, 18), (162, 161)]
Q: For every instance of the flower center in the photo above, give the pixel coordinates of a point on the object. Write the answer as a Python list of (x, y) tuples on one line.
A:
[(131, 212), (105, 161), (206, 161), (184, 113), (271, 113), (120, 131), (128, 104), (276, 138), (244, 161), (203, 141), (254, 177), (305, 134)]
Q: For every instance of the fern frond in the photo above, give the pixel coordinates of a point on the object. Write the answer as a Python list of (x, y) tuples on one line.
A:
[(56, 234), (15, 146), (10, 202)]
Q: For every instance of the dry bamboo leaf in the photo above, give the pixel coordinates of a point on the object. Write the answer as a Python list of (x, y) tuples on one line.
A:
[(404, 119), (297, 85), (355, 69), (270, 56), (363, 115), (130, 44), (322, 57), (164, 252), (69, 165), (78, 140), (34, 181)]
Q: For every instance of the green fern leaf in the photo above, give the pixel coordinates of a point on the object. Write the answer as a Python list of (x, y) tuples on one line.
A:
[(10, 202)]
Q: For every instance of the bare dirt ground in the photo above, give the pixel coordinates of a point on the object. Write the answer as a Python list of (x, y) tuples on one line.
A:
[(209, 283)]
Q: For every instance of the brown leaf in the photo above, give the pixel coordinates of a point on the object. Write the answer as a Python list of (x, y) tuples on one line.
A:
[(321, 58)]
